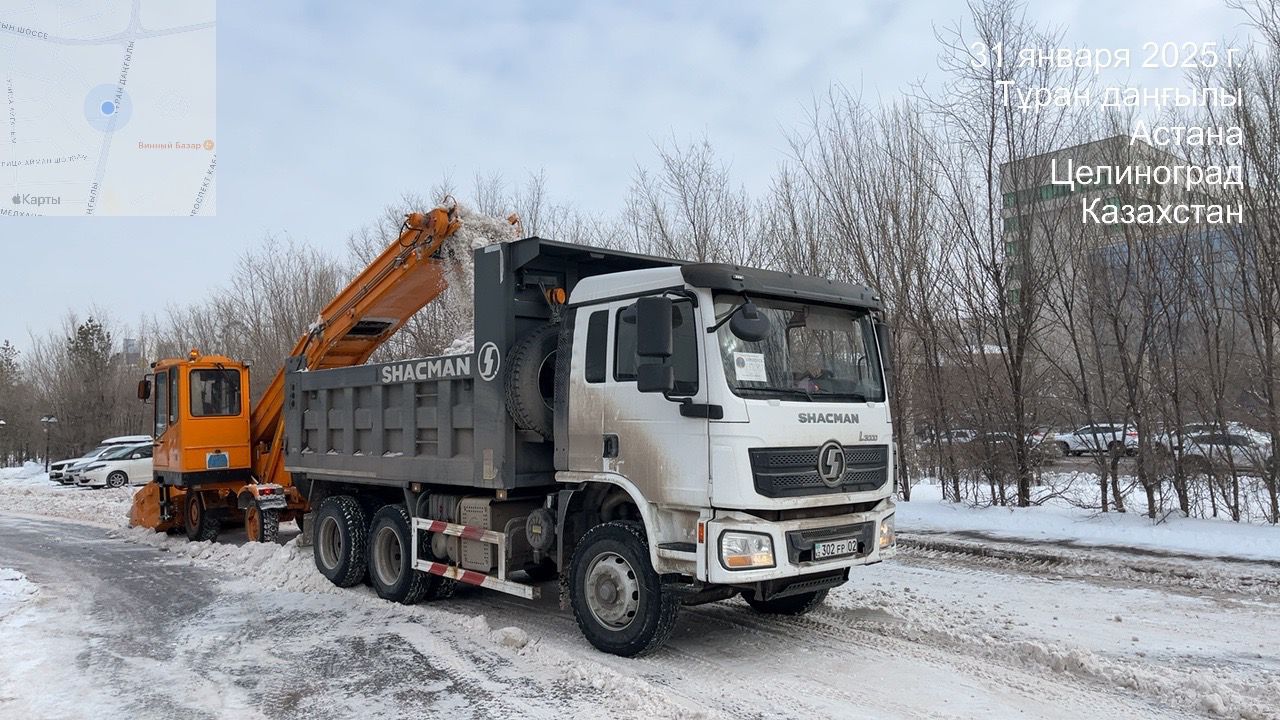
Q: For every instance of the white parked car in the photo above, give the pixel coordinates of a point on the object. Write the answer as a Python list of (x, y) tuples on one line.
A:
[(1203, 452), (1169, 440), (1100, 437), (119, 466), (958, 436), (61, 471)]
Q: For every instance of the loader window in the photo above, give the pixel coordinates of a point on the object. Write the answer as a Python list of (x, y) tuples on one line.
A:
[(215, 392), (173, 397), (597, 347), (684, 345), (162, 403)]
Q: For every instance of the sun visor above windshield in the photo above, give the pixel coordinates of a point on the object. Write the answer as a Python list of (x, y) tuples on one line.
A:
[(752, 281)]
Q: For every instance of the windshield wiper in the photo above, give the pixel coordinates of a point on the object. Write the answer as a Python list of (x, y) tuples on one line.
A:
[(729, 315), (770, 389), (856, 396)]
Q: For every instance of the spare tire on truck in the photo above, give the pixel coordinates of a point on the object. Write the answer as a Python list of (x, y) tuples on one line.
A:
[(531, 380)]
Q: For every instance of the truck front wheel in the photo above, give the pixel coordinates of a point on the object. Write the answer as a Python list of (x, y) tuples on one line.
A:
[(390, 560), (341, 536), (617, 597), (790, 605)]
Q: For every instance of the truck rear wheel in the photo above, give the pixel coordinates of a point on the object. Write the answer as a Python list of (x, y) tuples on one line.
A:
[(531, 380), (199, 524), (790, 605), (390, 559), (617, 597), (341, 536)]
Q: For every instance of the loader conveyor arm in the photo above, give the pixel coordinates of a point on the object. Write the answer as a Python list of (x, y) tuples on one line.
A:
[(380, 300)]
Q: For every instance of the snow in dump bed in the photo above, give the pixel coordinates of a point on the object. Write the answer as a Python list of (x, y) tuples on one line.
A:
[(464, 345), (479, 230), (453, 311), (1058, 521)]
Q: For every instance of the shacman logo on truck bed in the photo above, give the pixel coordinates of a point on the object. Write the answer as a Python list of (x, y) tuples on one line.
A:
[(828, 417), (447, 367)]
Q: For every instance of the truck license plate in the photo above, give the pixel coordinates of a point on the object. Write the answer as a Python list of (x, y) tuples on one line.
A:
[(835, 548)]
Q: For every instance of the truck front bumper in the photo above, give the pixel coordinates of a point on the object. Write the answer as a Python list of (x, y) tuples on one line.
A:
[(797, 545)]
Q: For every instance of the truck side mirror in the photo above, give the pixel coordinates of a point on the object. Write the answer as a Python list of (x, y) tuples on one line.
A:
[(653, 327), (144, 389), (748, 323), (655, 377)]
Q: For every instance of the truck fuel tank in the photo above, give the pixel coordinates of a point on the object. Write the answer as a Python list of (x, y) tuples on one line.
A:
[(492, 514)]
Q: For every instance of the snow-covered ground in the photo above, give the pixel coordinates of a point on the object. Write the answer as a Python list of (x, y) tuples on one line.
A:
[(1042, 612), (1059, 521)]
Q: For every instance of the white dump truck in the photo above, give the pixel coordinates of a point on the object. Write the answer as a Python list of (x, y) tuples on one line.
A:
[(652, 432)]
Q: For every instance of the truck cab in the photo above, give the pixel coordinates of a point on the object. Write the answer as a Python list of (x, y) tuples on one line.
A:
[(745, 414)]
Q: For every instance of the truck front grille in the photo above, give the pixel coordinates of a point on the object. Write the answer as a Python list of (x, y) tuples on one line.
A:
[(791, 472)]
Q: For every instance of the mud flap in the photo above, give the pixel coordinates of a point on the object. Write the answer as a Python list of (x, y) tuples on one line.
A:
[(308, 534)]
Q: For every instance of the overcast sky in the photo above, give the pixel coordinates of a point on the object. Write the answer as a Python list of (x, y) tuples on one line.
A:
[(326, 115)]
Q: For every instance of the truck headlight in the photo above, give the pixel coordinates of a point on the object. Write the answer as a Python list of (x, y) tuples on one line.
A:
[(745, 550), (887, 538)]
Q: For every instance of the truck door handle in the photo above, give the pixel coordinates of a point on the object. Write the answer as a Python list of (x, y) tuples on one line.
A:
[(610, 445)]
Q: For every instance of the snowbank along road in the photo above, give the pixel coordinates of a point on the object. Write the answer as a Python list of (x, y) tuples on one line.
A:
[(100, 621)]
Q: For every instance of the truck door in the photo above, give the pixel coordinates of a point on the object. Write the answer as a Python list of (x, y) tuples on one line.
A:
[(659, 450)]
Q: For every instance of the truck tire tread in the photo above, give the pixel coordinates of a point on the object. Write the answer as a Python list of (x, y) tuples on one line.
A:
[(413, 588), (350, 568)]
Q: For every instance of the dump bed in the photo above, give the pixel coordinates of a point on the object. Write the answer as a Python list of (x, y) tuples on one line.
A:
[(443, 420)]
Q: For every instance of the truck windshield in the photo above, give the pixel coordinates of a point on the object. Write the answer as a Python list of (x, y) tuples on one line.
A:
[(811, 354), (215, 392)]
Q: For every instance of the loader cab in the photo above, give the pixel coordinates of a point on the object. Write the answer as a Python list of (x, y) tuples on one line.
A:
[(200, 416)]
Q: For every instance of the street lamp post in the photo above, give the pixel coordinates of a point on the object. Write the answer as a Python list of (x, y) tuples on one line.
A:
[(47, 421)]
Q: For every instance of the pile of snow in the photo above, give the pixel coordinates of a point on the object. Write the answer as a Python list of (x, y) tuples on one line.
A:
[(30, 473), (38, 496), (1058, 521), (270, 565), (15, 591)]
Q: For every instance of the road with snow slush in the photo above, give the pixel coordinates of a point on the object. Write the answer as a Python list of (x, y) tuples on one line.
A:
[(111, 624)]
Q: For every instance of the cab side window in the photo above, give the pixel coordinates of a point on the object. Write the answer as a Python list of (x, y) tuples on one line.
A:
[(173, 397), (684, 342), (597, 347), (162, 403)]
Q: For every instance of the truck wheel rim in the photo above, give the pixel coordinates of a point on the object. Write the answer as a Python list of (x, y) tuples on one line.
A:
[(252, 524), (387, 556), (329, 542), (613, 592)]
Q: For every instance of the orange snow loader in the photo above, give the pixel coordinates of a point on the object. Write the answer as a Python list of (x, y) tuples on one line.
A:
[(219, 460)]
